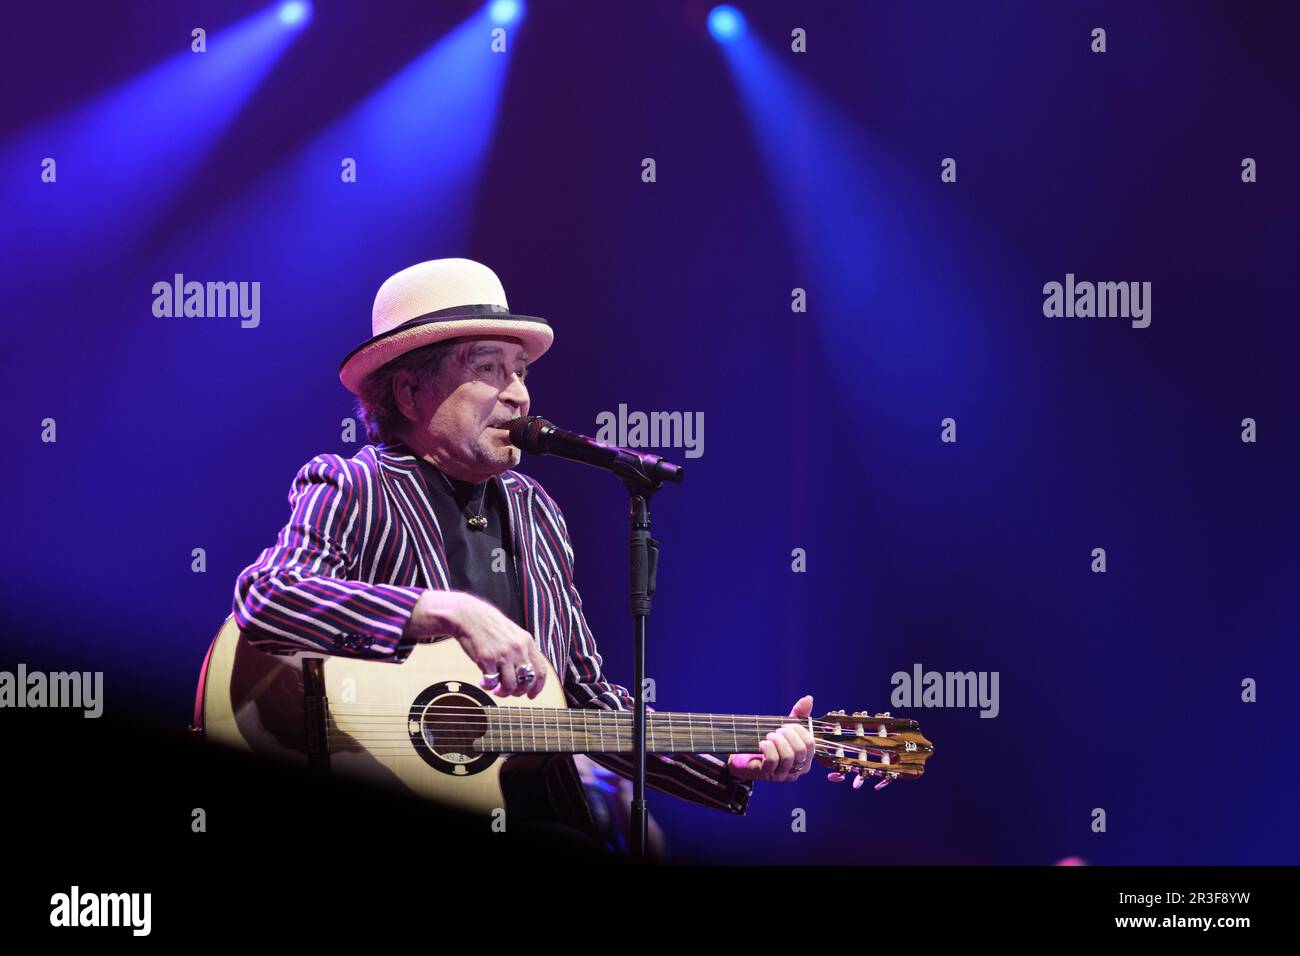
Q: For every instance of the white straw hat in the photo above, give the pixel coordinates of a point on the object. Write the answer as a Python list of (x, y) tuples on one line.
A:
[(437, 300)]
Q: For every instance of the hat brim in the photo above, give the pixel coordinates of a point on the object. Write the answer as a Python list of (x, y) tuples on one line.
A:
[(534, 332)]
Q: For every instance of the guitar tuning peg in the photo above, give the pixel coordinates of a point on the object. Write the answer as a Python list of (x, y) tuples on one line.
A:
[(858, 781), (835, 777), (884, 783)]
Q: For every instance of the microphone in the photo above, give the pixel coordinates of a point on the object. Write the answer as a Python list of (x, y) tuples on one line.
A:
[(536, 435)]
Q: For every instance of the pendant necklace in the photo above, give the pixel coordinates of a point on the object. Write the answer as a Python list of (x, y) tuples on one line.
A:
[(479, 521)]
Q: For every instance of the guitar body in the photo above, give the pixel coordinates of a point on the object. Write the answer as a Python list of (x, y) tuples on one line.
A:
[(367, 718)]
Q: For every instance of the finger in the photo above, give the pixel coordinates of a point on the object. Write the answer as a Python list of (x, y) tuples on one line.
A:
[(790, 737), (508, 683), (771, 757), (786, 752), (490, 667), (491, 675), (519, 658), (526, 683), (794, 736), (744, 766), (539, 666), (802, 706), (522, 686), (529, 687), (809, 748)]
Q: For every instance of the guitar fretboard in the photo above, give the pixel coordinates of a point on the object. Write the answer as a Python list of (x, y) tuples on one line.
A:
[(585, 730)]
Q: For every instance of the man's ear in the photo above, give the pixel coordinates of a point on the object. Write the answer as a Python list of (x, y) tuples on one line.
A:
[(404, 393)]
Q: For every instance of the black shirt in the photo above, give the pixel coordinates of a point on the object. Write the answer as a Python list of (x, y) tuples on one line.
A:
[(481, 562)]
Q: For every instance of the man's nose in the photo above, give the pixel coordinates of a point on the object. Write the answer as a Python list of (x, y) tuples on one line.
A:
[(516, 394)]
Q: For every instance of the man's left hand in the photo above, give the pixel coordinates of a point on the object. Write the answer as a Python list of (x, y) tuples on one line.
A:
[(787, 753)]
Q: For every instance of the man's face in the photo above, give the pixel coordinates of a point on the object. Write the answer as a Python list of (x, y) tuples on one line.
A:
[(480, 385)]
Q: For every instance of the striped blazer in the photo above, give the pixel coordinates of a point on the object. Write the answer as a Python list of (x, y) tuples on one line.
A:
[(362, 543)]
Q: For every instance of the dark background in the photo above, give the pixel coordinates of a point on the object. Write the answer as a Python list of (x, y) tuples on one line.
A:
[(775, 171)]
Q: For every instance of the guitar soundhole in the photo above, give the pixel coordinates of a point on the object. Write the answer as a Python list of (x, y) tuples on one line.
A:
[(446, 722)]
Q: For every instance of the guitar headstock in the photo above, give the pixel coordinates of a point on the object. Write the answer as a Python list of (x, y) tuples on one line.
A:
[(871, 745)]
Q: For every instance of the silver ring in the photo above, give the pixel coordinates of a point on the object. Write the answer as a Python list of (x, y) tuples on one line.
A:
[(492, 678), (524, 674)]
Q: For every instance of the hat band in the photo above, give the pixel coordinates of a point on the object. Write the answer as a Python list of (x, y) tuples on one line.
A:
[(497, 313), (463, 311)]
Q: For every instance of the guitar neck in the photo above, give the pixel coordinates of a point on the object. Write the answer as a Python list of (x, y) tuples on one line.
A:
[(587, 730)]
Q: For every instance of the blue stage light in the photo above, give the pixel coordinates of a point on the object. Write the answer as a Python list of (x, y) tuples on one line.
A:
[(505, 11), (726, 23), (144, 138), (294, 11)]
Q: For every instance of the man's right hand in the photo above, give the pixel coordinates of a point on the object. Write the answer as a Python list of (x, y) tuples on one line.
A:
[(494, 642)]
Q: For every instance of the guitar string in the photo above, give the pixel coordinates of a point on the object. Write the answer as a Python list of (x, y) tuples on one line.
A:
[(451, 743), (572, 724), (899, 771), (394, 749), (560, 720), (380, 709), (553, 721), (827, 751), (896, 768), (477, 733), (398, 711), (472, 733), (475, 729), (893, 773), (676, 743), (579, 718)]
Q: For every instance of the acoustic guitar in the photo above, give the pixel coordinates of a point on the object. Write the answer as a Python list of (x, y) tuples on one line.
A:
[(427, 726)]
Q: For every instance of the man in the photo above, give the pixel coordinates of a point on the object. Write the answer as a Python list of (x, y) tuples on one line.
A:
[(429, 533)]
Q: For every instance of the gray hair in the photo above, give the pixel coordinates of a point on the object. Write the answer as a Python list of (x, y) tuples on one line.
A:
[(376, 405)]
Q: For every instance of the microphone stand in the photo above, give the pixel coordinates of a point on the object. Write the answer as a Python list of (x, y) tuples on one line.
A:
[(644, 564), (642, 475)]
